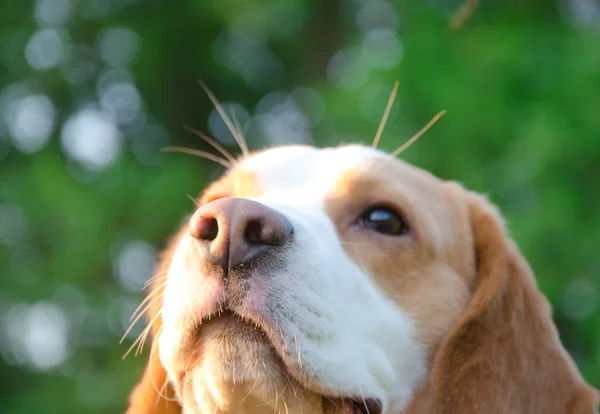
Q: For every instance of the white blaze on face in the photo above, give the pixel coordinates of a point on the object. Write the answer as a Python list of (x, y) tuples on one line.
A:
[(348, 337), (306, 175)]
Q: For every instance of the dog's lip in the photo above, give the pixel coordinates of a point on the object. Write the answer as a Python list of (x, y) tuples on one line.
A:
[(343, 404)]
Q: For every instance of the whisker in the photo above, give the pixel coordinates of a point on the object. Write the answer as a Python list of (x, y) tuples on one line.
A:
[(228, 345), (240, 132), (276, 400), (212, 143), (464, 12), (298, 350), (289, 381), (386, 113), (285, 387), (140, 346), (330, 400), (133, 345), (285, 347), (201, 154), (137, 318), (165, 383), (365, 404), (150, 281), (141, 341), (155, 278), (159, 393), (193, 200), (250, 392), (419, 134), (147, 298), (143, 334), (225, 118)]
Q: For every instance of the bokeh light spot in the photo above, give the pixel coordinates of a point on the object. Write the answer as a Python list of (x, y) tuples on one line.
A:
[(91, 138), (311, 103), (45, 49), (30, 122), (118, 46), (52, 12), (245, 54), (38, 335), (381, 49), (281, 121), (376, 14), (147, 144), (347, 69), (122, 101), (135, 264)]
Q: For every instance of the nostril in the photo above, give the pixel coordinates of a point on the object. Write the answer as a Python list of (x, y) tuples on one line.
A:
[(267, 230), (253, 233), (207, 228)]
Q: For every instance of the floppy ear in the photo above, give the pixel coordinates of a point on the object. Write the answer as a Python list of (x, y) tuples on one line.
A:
[(154, 394), (146, 398), (504, 354)]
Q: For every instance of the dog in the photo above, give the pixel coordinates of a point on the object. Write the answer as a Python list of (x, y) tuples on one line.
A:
[(343, 280)]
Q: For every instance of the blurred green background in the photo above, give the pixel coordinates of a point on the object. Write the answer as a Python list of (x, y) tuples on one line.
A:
[(91, 90)]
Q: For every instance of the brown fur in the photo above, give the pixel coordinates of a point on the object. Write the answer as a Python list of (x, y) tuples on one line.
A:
[(492, 345), (504, 354)]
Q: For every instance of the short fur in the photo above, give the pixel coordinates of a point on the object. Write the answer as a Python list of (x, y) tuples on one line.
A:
[(491, 348)]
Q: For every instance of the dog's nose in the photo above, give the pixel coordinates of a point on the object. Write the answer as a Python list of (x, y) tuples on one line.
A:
[(236, 230)]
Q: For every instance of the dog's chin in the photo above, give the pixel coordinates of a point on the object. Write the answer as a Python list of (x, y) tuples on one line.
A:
[(236, 370)]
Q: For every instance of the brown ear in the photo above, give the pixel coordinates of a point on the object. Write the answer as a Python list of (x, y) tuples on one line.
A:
[(504, 355), (153, 394)]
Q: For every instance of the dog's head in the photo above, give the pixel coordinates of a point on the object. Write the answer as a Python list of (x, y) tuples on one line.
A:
[(343, 280)]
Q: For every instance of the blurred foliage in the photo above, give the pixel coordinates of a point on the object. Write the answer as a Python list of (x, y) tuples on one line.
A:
[(91, 90)]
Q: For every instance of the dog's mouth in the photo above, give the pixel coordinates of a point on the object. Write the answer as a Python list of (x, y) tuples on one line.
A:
[(331, 402)]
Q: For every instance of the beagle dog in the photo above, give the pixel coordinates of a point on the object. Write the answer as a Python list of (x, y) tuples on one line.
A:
[(343, 280)]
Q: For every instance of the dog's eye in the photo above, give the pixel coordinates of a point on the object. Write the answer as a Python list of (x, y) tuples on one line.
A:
[(383, 220)]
